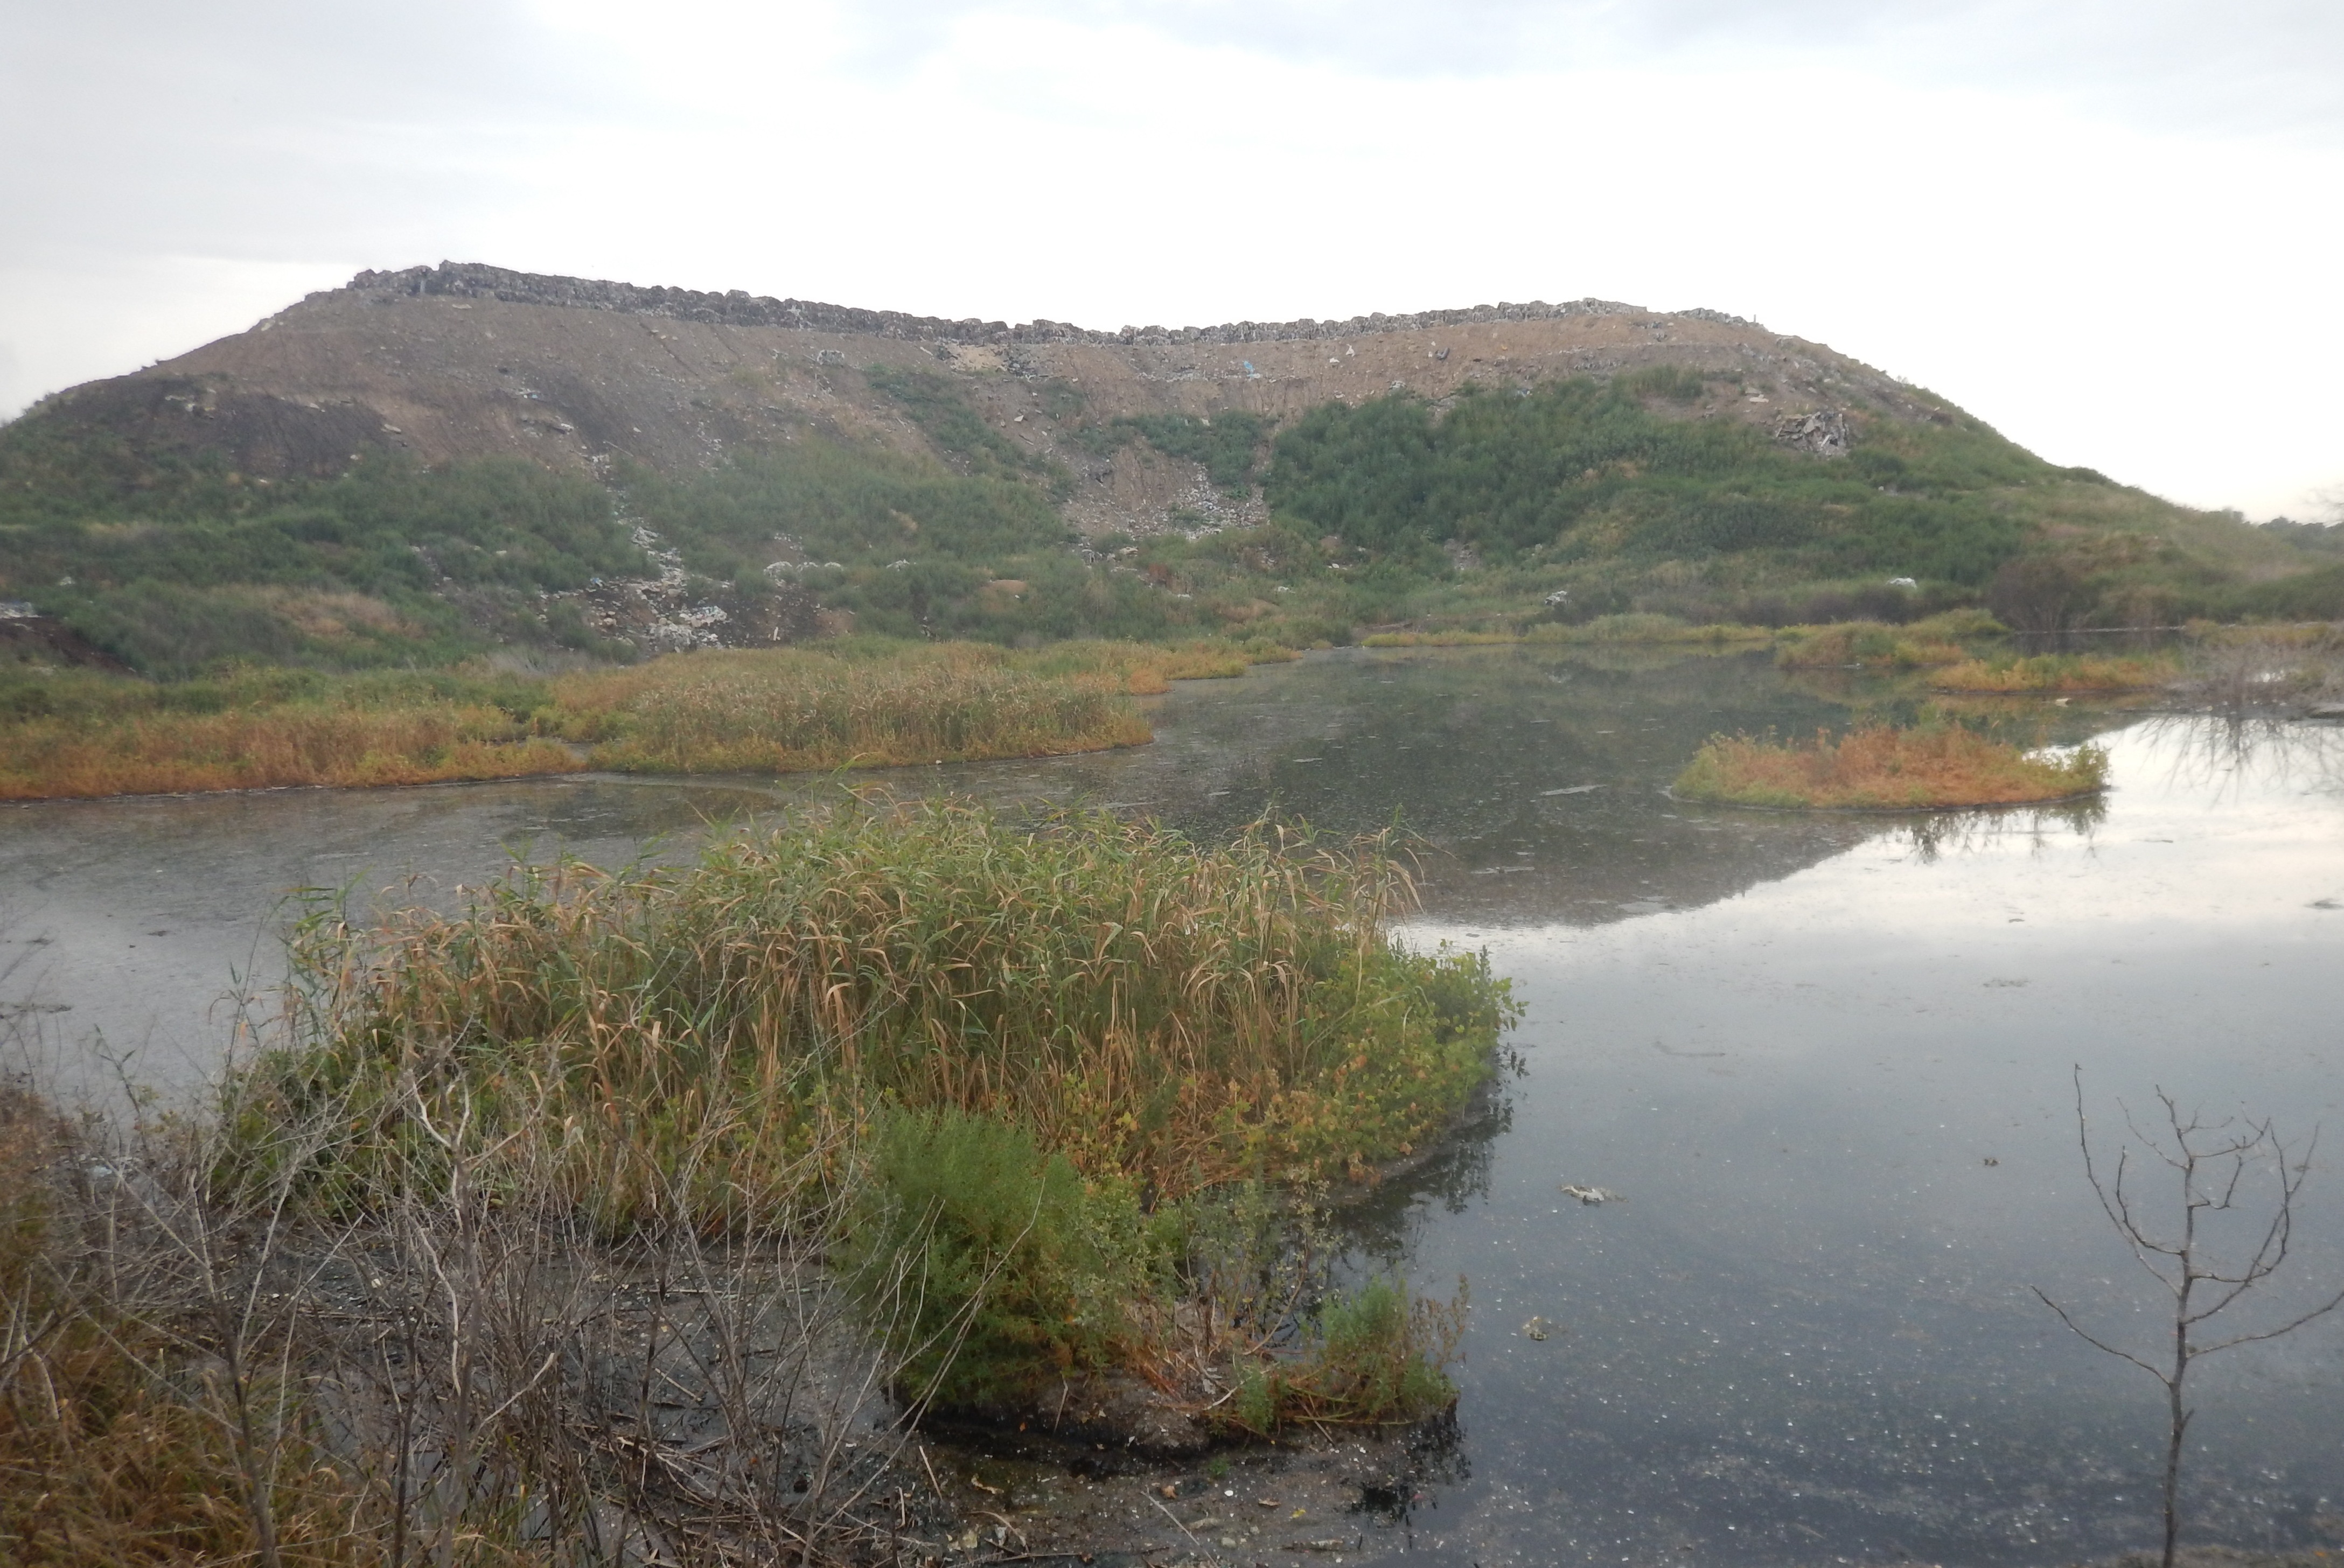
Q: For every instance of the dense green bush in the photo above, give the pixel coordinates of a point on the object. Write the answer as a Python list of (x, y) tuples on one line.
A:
[(996, 1267), (178, 568), (918, 548), (1580, 470)]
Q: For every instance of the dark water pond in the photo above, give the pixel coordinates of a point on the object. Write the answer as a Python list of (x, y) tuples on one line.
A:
[(1827, 1062)]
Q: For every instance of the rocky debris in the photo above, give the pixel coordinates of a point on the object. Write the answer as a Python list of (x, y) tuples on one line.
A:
[(1591, 1197), (1824, 432), (27, 637), (670, 614), (737, 307)]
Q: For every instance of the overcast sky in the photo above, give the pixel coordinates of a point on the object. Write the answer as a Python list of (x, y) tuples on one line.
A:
[(2110, 228)]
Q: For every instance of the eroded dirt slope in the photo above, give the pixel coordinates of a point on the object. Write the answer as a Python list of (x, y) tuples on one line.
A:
[(464, 360)]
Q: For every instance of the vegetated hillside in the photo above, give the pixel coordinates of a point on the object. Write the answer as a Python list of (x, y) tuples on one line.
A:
[(430, 462)]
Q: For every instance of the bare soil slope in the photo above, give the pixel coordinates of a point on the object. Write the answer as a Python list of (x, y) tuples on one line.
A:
[(464, 360)]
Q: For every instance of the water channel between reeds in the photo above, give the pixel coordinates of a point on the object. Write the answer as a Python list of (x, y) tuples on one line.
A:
[(1825, 1061)]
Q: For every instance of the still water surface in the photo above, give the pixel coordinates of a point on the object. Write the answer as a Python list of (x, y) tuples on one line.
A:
[(1827, 1061)]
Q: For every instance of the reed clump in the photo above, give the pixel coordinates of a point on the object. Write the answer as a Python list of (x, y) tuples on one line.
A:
[(2055, 672), (1369, 1355), (1153, 1009), (300, 743), (860, 703), (1148, 669), (1879, 767), (789, 710), (1029, 1053), (1869, 644)]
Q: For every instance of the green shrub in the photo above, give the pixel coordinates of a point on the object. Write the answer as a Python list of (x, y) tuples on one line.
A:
[(1372, 1356), (1582, 470), (994, 1266)]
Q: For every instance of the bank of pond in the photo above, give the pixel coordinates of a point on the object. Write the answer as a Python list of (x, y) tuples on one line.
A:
[(1018, 1120)]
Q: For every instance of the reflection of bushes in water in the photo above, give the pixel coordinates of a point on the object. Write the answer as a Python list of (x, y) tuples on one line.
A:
[(1969, 833), (2214, 750), (2237, 669)]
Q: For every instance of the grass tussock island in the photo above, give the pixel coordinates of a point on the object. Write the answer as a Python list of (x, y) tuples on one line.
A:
[(1157, 1012), (2056, 672), (1033, 1042), (1880, 768), (850, 705), (620, 1200), (1603, 629), (1870, 645)]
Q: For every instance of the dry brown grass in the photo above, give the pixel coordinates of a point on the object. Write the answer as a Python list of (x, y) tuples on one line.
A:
[(295, 744), (1866, 643), (857, 705), (1609, 628), (794, 710), (2056, 672), (1880, 768), (120, 1441)]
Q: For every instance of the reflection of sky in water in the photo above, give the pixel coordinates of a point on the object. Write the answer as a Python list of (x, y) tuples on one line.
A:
[(1807, 1332), (1791, 1040)]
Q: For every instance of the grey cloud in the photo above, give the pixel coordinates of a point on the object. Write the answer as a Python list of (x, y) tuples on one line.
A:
[(2245, 65), (262, 127)]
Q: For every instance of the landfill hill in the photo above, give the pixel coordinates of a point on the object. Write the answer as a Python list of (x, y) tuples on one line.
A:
[(464, 360), (339, 485)]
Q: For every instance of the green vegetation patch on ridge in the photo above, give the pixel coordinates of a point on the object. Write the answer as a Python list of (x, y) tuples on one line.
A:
[(1578, 470), (936, 404), (180, 566), (910, 549)]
